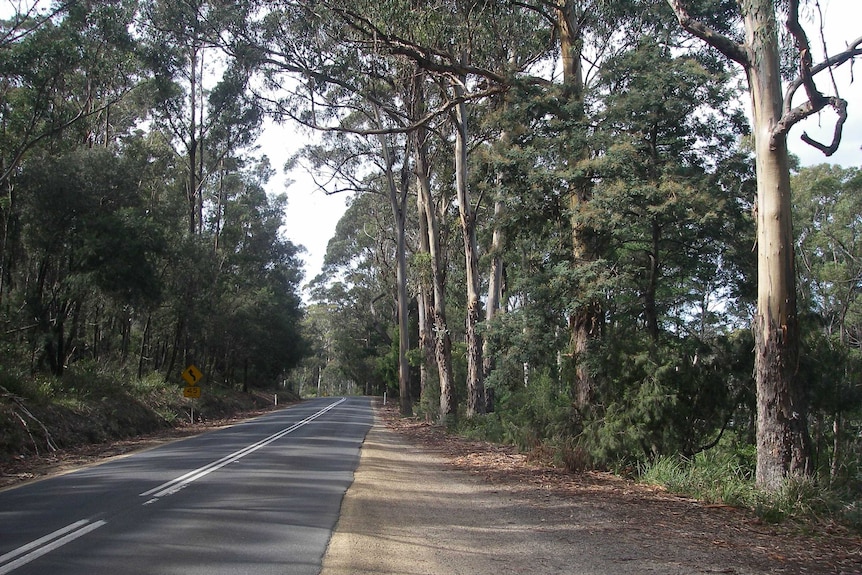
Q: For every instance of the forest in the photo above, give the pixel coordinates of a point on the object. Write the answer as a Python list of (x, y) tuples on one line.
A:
[(574, 225)]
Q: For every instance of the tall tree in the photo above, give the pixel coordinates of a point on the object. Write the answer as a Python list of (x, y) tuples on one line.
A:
[(828, 231), (442, 340), (585, 319), (398, 189), (203, 104), (61, 73), (782, 433)]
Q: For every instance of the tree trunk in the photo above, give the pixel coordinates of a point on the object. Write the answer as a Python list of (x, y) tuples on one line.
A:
[(145, 341), (424, 298), (782, 436), (424, 302), (192, 144), (583, 323), (475, 384), (650, 311), (398, 202), (495, 296), (178, 335), (835, 464), (403, 324), (442, 338), (199, 196)]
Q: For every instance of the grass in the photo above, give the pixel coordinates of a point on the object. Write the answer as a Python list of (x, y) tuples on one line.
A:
[(711, 477), (724, 477)]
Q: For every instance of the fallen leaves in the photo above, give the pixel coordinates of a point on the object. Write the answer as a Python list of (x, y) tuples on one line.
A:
[(785, 548)]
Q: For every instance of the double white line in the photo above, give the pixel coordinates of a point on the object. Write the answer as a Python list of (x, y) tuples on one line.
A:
[(174, 485), (46, 544), (35, 549)]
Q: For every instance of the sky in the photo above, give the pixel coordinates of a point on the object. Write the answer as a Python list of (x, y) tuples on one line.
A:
[(312, 215)]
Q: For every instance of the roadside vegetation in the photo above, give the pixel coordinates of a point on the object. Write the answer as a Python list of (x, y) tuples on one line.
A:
[(563, 232), (607, 263), (542, 427), (42, 415)]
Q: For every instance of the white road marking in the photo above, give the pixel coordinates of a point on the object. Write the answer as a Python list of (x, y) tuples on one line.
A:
[(174, 485), (46, 544), (39, 547)]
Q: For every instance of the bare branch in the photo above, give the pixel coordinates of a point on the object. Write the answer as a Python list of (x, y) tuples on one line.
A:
[(816, 99), (840, 106), (852, 51), (800, 39), (27, 21)]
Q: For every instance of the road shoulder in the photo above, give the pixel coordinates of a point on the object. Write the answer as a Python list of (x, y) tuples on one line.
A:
[(415, 509)]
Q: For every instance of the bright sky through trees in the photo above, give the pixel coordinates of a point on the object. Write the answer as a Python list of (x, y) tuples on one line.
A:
[(312, 215)]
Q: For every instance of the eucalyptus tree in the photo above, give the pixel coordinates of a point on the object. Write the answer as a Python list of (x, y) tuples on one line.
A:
[(357, 286), (432, 209), (828, 232), (782, 430), (61, 72), (367, 155), (200, 90), (350, 87), (466, 49)]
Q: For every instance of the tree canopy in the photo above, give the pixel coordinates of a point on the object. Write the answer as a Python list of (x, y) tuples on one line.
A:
[(563, 226)]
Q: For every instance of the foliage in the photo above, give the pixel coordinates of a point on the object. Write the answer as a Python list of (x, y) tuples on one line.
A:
[(137, 236), (99, 267)]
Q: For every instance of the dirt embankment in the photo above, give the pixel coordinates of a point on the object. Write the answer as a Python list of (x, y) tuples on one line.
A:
[(426, 503), (39, 439)]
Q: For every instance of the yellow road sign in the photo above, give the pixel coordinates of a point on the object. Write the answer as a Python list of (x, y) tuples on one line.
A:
[(192, 391), (192, 375)]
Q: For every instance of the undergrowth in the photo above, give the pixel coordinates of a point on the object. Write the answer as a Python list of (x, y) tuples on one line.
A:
[(93, 404), (724, 477)]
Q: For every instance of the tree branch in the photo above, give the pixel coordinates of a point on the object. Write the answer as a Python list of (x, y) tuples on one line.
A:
[(840, 106), (444, 108), (816, 99), (733, 50), (432, 61)]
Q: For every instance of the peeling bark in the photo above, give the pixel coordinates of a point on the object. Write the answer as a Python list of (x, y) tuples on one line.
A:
[(782, 431), (475, 383)]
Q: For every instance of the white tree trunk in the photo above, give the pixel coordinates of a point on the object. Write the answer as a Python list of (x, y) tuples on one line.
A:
[(781, 426)]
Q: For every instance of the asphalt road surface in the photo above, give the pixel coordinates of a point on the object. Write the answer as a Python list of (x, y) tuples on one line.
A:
[(260, 497)]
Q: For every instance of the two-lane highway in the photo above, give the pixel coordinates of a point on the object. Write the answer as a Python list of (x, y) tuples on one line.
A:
[(261, 497)]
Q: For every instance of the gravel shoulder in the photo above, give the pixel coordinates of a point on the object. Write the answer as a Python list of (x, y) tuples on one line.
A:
[(426, 503)]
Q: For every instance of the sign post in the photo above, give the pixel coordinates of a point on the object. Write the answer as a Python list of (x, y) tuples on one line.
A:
[(193, 377)]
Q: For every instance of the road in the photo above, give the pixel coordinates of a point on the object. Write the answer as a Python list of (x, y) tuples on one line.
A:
[(259, 497)]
